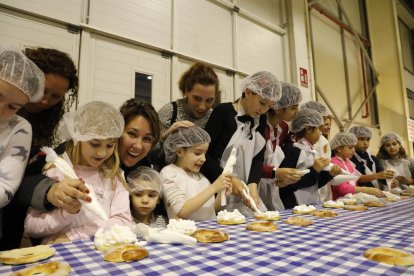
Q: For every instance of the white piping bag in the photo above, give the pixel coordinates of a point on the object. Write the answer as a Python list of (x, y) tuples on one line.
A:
[(228, 169), (66, 168), (329, 167), (246, 194)]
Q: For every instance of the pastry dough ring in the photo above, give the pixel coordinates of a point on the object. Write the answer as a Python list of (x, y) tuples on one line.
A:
[(261, 226), (26, 255), (210, 235), (51, 268), (390, 256), (125, 253)]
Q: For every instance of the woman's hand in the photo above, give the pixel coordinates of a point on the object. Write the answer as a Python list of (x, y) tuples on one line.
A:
[(67, 193), (372, 191), (175, 126), (320, 163), (286, 176)]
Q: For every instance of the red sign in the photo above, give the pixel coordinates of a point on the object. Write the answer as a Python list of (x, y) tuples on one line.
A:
[(303, 73)]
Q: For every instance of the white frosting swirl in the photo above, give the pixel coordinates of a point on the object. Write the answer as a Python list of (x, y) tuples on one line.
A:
[(332, 203), (270, 214), (235, 216), (304, 208), (182, 226), (117, 234), (391, 195)]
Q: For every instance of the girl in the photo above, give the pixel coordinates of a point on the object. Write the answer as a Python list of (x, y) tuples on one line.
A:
[(392, 155), (21, 81), (275, 135), (94, 131), (187, 193), (373, 174), (145, 186), (301, 155), (242, 125), (343, 144)]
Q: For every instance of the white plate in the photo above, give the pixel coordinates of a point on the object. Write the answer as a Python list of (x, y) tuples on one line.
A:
[(344, 177)]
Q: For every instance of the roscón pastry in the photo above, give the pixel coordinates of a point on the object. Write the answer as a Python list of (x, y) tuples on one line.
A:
[(235, 217), (333, 204), (355, 207), (374, 204), (51, 268), (304, 209), (390, 256), (210, 235), (125, 253), (268, 215), (298, 221), (261, 226), (26, 255), (325, 213)]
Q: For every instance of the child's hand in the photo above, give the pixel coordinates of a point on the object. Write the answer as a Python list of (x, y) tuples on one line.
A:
[(67, 193), (373, 191), (395, 184), (335, 170), (404, 180), (237, 187), (221, 183), (386, 174), (320, 163), (286, 176)]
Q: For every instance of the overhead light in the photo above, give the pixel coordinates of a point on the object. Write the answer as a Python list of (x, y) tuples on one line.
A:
[(149, 77)]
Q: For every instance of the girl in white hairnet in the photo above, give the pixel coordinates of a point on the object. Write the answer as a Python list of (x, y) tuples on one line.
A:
[(373, 174), (301, 155), (276, 134), (343, 144), (241, 125), (188, 194), (21, 81), (392, 155), (94, 130), (145, 190)]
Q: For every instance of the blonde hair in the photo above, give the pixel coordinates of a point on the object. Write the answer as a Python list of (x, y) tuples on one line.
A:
[(109, 168)]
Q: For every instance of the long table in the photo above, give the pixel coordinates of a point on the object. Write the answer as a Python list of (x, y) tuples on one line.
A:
[(331, 246)]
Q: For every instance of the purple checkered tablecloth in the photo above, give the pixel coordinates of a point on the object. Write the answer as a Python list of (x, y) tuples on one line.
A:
[(331, 246)]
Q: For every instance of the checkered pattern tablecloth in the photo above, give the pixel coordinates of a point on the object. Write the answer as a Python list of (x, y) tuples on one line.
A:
[(331, 246)]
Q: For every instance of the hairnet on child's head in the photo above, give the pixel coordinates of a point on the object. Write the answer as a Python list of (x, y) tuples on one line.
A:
[(306, 118), (184, 138), (264, 84), (361, 131), (144, 178), (318, 107), (94, 120), (390, 136), (291, 95), (343, 139), (18, 70)]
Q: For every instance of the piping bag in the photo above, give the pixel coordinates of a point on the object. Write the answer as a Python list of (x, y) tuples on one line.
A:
[(228, 169)]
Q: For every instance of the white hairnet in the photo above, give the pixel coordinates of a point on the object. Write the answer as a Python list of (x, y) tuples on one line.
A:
[(18, 70), (264, 84), (94, 120), (390, 136), (144, 178), (306, 118), (184, 138), (361, 131), (318, 107), (343, 139), (291, 95)]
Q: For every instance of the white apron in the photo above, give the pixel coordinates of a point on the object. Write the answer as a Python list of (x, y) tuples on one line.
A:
[(246, 150), (308, 195), (324, 150), (402, 168), (268, 191)]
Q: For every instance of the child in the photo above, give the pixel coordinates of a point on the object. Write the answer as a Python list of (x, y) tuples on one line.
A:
[(145, 186), (343, 144), (21, 81), (187, 193), (242, 125), (392, 155), (94, 131), (322, 147), (373, 174), (300, 155), (276, 134)]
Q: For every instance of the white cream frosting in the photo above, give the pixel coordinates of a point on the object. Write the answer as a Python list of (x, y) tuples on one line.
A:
[(270, 214), (348, 201), (334, 203), (363, 197), (182, 226), (235, 216), (391, 195), (117, 234), (304, 208)]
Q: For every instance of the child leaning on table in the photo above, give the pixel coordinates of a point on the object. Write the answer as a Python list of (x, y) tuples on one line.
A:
[(188, 194), (93, 151), (343, 144), (145, 190)]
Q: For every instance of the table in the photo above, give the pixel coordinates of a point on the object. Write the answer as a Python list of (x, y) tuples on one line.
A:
[(331, 246)]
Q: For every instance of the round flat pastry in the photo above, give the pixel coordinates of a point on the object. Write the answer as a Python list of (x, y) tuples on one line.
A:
[(390, 256), (230, 222), (392, 199), (267, 216), (405, 197), (303, 212), (355, 207), (261, 226), (374, 204), (298, 221), (210, 235), (125, 253), (325, 213), (333, 206), (26, 255), (51, 268)]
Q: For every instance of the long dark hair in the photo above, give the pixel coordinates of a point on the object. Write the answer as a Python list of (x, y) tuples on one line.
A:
[(45, 123)]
